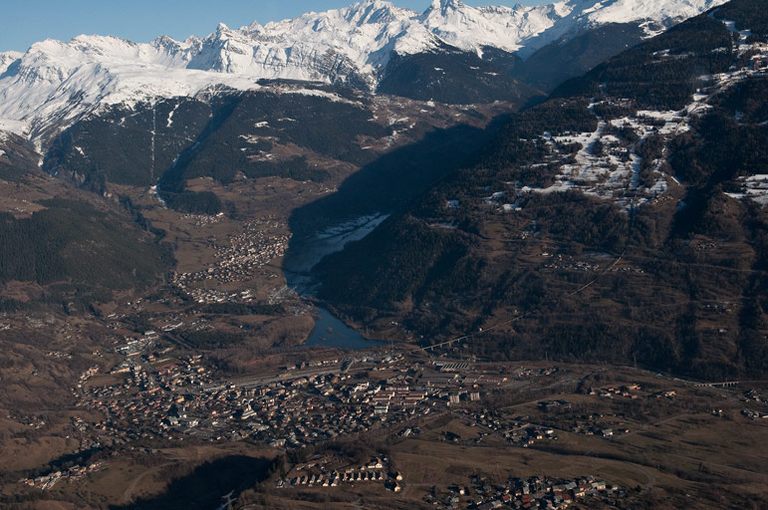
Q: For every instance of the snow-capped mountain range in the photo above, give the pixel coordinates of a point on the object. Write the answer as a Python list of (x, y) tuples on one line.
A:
[(54, 83)]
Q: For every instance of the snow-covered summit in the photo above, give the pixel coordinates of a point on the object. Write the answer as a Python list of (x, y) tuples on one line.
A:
[(329, 46), (472, 28), (7, 58), (661, 11), (55, 82)]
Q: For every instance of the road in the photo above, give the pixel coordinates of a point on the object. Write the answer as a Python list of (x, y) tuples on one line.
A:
[(255, 382)]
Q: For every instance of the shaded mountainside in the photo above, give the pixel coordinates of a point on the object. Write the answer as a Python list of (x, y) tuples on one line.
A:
[(127, 146), (622, 220), (292, 130), (137, 146), (392, 182), (17, 158), (450, 75), (71, 243), (246, 132), (224, 136), (569, 57)]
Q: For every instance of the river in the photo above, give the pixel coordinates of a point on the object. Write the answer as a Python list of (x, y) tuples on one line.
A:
[(329, 331)]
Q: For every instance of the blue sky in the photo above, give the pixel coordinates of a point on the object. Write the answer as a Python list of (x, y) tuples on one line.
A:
[(23, 22)]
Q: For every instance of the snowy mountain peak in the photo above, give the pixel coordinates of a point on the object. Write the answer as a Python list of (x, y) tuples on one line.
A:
[(375, 11), (54, 82), (622, 11), (7, 58), (446, 5)]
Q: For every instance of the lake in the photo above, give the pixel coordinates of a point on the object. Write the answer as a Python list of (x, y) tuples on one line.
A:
[(331, 332)]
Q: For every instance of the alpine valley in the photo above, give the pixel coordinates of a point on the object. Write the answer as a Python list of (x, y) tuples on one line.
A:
[(470, 257)]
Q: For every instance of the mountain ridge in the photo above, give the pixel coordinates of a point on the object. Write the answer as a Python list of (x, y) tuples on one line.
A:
[(55, 83)]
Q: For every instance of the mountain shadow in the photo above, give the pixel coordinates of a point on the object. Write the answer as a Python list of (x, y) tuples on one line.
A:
[(205, 486), (387, 185)]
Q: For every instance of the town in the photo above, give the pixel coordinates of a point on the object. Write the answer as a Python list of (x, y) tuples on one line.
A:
[(147, 389), (244, 256), (153, 395)]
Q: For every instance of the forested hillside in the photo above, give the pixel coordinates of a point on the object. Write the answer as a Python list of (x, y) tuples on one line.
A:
[(72, 244)]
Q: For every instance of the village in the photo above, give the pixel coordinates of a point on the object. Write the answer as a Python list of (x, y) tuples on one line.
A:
[(533, 492), (321, 473), (49, 481), (147, 387), (151, 388), (244, 256), (148, 390), (479, 493)]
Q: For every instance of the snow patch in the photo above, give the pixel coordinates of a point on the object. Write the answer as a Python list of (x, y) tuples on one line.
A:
[(16, 127), (753, 188), (169, 121)]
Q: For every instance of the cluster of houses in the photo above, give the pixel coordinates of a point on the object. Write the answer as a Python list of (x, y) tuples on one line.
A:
[(134, 347), (175, 399), (203, 220), (517, 431), (752, 395), (243, 257), (149, 399), (531, 493), (319, 475), (562, 262), (530, 434), (526, 431), (309, 409), (596, 428), (537, 492), (625, 391), (47, 482), (631, 392)]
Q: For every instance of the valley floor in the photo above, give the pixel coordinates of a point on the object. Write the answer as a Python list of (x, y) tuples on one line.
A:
[(384, 429)]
